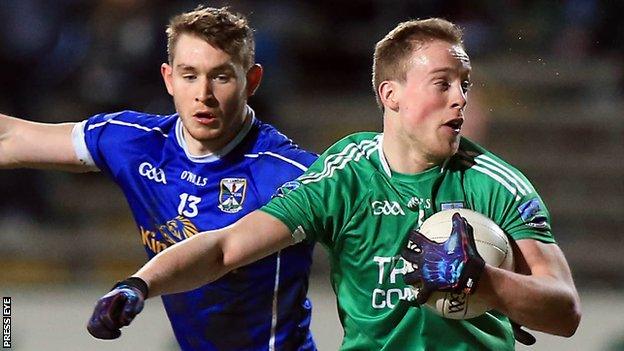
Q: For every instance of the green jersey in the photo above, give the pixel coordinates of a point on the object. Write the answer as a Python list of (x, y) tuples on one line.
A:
[(361, 211)]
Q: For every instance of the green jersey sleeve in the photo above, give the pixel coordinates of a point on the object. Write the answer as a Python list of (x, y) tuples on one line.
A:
[(504, 194), (305, 209), (318, 204)]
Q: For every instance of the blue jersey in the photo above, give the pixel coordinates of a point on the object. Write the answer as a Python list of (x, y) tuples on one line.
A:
[(174, 195)]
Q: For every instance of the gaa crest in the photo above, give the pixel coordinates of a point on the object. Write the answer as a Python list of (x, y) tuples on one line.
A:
[(232, 194)]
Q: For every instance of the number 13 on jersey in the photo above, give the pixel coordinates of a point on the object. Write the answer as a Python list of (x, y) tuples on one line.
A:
[(188, 205)]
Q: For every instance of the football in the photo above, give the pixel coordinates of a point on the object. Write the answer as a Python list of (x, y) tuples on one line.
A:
[(492, 245)]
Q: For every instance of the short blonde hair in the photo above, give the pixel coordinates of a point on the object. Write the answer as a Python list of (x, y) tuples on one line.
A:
[(219, 27), (392, 53)]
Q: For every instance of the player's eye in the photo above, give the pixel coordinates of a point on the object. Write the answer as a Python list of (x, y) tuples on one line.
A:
[(189, 77), (443, 85), (222, 78), (466, 85)]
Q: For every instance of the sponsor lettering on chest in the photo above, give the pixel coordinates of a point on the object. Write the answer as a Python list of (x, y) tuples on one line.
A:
[(193, 178)]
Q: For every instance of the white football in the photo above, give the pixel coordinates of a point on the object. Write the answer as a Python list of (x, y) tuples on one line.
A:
[(492, 245)]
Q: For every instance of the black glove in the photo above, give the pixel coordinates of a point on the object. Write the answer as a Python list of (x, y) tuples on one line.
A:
[(117, 308), (452, 265), (521, 335)]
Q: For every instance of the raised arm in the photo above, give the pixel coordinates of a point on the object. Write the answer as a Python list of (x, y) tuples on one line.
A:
[(208, 256), (543, 296), (26, 144)]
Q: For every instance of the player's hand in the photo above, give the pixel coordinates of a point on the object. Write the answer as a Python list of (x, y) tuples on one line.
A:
[(117, 308), (452, 265)]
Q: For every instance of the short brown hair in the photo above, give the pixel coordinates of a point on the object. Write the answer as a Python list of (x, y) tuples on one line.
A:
[(390, 61), (219, 27)]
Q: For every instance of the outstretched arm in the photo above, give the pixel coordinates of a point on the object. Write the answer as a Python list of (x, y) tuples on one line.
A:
[(543, 296), (188, 265), (208, 256), (26, 144)]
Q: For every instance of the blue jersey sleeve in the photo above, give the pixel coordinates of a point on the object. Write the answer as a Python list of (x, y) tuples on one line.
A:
[(111, 138)]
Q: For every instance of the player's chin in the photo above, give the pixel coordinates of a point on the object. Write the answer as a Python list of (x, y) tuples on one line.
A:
[(453, 143), (206, 134), (447, 149)]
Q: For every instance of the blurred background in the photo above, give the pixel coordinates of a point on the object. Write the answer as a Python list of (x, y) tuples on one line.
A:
[(548, 97)]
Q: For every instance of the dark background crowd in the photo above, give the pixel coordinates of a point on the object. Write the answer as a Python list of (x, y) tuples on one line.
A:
[(548, 97)]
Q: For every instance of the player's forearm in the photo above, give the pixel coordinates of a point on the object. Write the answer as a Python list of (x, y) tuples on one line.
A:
[(26, 144), (7, 133), (542, 303), (208, 256), (184, 266)]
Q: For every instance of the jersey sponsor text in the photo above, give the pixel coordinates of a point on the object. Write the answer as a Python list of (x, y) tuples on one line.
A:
[(173, 231), (193, 178), (388, 298)]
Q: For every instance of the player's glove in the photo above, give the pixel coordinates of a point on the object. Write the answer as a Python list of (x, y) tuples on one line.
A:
[(521, 335), (452, 265), (117, 308)]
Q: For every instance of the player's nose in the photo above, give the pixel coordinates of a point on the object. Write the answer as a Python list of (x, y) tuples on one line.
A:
[(459, 98), (205, 93)]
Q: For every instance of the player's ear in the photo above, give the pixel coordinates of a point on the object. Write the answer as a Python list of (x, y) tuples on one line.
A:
[(167, 73), (388, 92), (254, 76)]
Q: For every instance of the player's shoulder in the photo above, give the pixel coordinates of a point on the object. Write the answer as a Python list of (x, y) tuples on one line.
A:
[(273, 148), (270, 137), (346, 161), (473, 157), (361, 143), (133, 122), (484, 168)]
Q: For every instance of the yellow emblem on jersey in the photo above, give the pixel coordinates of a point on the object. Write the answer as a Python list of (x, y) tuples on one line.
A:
[(173, 231), (177, 229)]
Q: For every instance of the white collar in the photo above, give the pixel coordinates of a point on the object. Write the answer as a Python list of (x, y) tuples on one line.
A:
[(382, 158), (214, 156)]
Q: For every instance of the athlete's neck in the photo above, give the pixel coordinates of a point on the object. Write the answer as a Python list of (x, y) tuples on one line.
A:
[(404, 158), (201, 148)]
